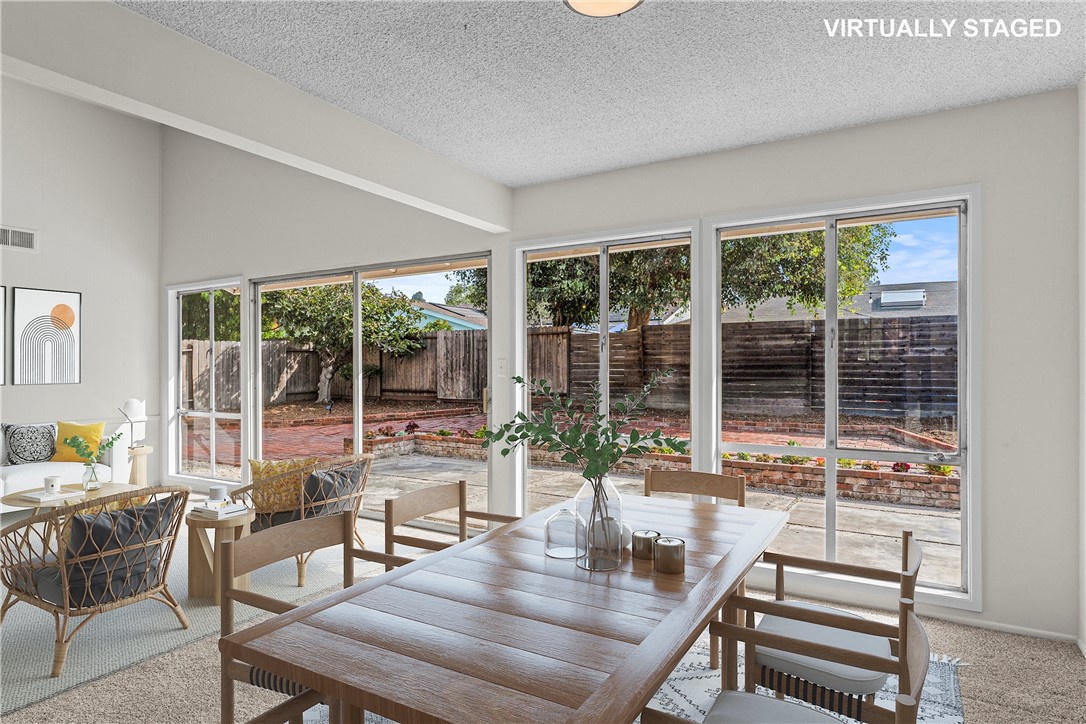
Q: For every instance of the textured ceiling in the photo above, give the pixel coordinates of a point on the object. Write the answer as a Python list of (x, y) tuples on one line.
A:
[(527, 92)]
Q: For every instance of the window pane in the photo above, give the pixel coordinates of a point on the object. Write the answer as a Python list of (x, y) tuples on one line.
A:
[(649, 333), (195, 454), (898, 332), (228, 449), (563, 302), (425, 337), (195, 364), (772, 335), (789, 482), (227, 350), (306, 346), (876, 500)]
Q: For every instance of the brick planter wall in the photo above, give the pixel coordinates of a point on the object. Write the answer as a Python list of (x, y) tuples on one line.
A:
[(883, 486)]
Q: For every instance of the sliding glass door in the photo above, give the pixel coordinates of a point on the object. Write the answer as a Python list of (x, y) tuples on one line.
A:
[(609, 315), (842, 382), (392, 361)]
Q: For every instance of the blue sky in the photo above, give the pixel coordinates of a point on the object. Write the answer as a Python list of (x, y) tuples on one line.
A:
[(925, 250), (433, 286)]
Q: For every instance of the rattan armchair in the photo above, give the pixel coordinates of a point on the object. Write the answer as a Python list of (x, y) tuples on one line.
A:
[(92, 557), (326, 487)]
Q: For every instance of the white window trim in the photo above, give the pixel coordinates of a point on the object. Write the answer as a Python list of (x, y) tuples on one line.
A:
[(171, 431)]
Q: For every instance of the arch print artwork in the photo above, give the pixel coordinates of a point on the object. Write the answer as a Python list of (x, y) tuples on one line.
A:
[(46, 336)]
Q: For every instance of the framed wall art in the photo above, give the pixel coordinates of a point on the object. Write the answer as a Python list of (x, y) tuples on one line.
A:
[(46, 337)]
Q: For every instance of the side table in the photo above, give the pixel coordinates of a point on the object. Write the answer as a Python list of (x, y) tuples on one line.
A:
[(205, 559)]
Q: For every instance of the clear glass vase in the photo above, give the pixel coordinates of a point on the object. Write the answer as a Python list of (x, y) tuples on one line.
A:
[(560, 534), (90, 478), (599, 525)]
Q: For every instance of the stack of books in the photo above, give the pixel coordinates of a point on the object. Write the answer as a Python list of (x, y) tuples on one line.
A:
[(217, 509), (41, 496)]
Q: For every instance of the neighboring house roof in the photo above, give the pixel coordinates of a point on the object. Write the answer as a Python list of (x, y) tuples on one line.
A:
[(937, 298), (928, 299), (458, 317)]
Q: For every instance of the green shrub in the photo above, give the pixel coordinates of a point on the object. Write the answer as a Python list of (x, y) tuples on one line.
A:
[(846, 463), (795, 459), (444, 433), (941, 470), (743, 456)]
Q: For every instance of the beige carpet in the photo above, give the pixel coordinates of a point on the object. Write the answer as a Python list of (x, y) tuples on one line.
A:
[(1008, 679)]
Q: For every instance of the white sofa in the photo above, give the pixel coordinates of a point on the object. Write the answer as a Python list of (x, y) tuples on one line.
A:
[(17, 478)]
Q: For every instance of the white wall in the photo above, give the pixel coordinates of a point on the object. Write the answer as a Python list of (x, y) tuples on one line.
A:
[(1082, 359), (87, 180), (1023, 154), (227, 212)]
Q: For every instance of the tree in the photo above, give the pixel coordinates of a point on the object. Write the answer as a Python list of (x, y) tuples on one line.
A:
[(417, 297), (321, 316), (755, 269), (646, 281)]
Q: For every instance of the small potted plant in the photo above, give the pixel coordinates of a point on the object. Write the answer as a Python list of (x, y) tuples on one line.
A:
[(591, 436), (91, 457)]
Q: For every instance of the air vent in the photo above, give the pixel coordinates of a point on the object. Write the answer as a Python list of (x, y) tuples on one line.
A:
[(22, 239)]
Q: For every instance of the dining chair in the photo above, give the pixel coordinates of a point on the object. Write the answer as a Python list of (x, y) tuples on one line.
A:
[(826, 683), (256, 551), (715, 485), (910, 664), (420, 503), (92, 557), (284, 491)]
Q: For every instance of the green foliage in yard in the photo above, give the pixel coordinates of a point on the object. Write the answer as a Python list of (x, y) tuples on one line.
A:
[(755, 269), (322, 317)]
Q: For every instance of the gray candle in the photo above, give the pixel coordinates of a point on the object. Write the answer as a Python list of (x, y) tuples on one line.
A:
[(669, 555), (216, 492), (642, 543)]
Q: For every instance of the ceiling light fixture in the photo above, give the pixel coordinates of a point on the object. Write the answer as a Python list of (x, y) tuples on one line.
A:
[(601, 8)]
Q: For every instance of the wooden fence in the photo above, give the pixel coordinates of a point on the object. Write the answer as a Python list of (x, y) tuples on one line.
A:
[(887, 367)]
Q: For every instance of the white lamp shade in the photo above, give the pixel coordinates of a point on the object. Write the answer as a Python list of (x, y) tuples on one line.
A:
[(602, 8), (135, 410)]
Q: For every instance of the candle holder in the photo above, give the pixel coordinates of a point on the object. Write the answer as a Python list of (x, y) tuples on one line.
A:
[(669, 555), (642, 543)]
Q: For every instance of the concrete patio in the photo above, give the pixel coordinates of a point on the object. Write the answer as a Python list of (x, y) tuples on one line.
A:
[(868, 533)]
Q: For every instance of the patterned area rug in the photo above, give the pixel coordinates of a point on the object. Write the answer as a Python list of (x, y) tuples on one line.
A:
[(693, 686)]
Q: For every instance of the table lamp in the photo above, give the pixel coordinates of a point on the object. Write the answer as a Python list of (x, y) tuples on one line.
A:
[(134, 411)]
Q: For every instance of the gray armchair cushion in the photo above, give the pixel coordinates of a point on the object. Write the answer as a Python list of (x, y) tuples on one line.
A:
[(105, 577), (321, 485)]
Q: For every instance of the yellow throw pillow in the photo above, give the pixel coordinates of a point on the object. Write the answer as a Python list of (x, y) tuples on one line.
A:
[(91, 433), (274, 488)]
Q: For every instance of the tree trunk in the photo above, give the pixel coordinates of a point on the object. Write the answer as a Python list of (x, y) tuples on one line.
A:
[(324, 382), (638, 318)]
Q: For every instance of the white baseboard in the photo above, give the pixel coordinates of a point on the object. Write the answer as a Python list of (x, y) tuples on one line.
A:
[(1082, 646), (1002, 627)]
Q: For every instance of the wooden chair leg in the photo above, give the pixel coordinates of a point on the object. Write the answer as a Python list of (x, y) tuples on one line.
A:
[(60, 654), (714, 647), (301, 569), (226, 693)]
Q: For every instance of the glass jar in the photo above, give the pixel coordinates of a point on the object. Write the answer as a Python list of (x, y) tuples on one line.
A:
[(560, 534), (599, 525)]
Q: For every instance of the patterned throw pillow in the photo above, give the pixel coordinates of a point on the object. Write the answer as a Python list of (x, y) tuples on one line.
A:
[(274, 488), (29, 443)]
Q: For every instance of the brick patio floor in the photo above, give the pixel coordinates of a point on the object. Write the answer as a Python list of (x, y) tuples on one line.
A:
[(327, 440)]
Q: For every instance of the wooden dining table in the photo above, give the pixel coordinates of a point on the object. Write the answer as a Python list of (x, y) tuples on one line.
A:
[(492, 630)]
